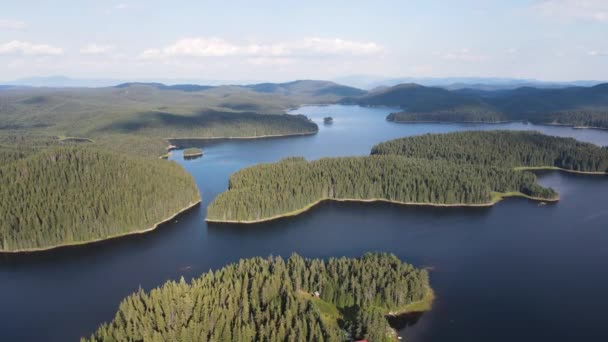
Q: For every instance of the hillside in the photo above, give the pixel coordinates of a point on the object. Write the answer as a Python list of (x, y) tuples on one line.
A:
[(415, 97), (501, 148), (578, 106), (73, 195), (272, 300), (153, 112)]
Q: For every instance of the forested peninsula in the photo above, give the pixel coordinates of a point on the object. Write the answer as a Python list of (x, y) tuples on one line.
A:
[(514, 149), (454, 169), (74, 195), (291, 186), (274, 299)]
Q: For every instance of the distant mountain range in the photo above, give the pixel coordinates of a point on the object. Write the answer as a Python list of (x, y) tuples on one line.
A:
[(356, 81), (68, 82), (452, 83), (579, 106)]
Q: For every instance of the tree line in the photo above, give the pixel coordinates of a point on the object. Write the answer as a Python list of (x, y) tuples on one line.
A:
[(272, 299), (65, 195), (268, 190), (502, 148), (460, 114)]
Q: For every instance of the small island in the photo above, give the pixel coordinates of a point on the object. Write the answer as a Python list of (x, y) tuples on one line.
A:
[(192, 153), (272, 299), (328, 120)]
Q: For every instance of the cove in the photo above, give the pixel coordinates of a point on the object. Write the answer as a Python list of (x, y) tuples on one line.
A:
[(515, 271)]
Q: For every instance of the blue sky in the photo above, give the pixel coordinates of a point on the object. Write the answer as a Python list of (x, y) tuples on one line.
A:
[(284, 40)]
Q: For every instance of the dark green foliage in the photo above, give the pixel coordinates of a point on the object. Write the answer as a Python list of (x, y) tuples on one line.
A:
[(209, 124), (75, 194), (502, 148), (580, 106), (591, 117), (416, 98), (460, 114), (136, 118), (270, 300), (268, 190)]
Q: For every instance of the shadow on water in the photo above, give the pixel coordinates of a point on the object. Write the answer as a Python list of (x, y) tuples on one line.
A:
[(403, 321)]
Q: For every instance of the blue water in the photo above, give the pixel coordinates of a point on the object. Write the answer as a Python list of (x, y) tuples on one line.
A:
[(515, 271)]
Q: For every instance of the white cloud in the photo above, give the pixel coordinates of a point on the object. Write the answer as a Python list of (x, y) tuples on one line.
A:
[(596, 53), (464, 55), (595, 10), (218, 47), (324, 46), (95, 49), (7, 24), (122, 6), (17, 47)]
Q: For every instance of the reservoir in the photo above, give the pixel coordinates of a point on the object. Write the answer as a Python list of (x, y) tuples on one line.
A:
[(515, 271)]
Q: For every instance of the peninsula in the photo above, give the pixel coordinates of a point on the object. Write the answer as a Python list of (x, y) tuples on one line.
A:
[(74, 195), (270, 191), (445, 170)]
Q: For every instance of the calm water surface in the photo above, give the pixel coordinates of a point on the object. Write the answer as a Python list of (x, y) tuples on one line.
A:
[(515, 271)]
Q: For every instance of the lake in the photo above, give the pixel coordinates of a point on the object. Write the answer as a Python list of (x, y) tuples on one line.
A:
[(515, 271)]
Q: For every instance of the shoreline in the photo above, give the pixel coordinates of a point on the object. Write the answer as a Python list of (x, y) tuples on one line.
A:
[(456, 122), (495, 200), (423, 305), (555, 168), (243, 138), (72, 244), (573, 126)]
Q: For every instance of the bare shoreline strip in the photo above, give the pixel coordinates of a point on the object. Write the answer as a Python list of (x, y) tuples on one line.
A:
[(455, 122), (456, 205), (555, 168), (43, 249), (242, 138), (573, 126)]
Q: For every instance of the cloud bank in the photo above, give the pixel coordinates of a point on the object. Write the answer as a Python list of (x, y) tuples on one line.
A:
[(17, 47), (218, 47)]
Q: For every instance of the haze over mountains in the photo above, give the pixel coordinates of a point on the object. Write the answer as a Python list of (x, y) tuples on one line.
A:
[(366, 82)]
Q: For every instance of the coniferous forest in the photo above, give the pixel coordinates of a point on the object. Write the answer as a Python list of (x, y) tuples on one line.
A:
[(502, 148), (274, 299), (268, 191), (68, 195)]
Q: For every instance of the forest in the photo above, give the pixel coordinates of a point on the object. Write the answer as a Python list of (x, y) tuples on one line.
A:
[(268, 191), (576, 106), (137, 118), (273, 299), (65, 195), (585, 118), (501, 148), (460, 114)]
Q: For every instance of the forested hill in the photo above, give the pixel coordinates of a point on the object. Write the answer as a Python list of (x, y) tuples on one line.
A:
[(503, 148), (416, 97), (578, 106), (71, 195), (137, 117), (269, 191), (271, 300)]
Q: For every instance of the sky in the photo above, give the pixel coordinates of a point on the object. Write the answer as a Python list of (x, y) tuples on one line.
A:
[(556, 40)]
